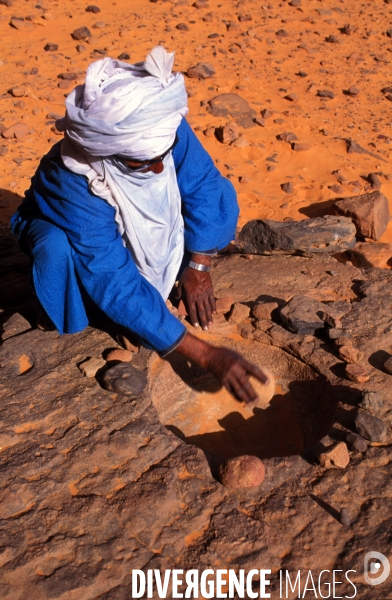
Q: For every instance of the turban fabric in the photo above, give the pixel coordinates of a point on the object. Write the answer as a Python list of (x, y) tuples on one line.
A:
[(132, 111)]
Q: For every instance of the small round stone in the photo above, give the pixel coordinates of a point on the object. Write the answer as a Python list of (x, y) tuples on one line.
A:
[(345, 517), (124, 379), (264, 391), (242, 472)]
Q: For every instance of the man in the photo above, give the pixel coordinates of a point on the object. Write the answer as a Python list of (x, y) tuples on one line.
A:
[(127, 201)]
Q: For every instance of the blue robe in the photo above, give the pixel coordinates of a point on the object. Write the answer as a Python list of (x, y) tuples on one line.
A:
[(76, 249)]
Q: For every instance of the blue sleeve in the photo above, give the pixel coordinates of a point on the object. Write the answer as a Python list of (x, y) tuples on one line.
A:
[(105, 267), (209, 201)]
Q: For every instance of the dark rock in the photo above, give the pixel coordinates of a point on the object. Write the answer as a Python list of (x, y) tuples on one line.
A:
[(287, 187), (242, 472), (345, 517), (369, 213), (302, 74), (82, 33), (356, 442), (282, 33), (371, 428), (332, 39), (68, 76), (51, 47), (299, 147), (227, 134), (347, 29), (371, 401), (355, 148), (266, 113), (388, 366), (15, 325), (182, 27), (201, 71), (7, 3), (259, 121), (124, 56), (325, 94), (3, 150), (80, 48), (389, 33), (245, 18), (322, 234), (287, 136), (93, 9), (336, 188), (353, 91), (374, 180), (295, 2), (291, 97), (300, 315), (124, 379), (233, 105)]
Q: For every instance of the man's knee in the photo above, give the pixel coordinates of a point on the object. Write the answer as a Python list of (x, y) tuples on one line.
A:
[(48, 243)]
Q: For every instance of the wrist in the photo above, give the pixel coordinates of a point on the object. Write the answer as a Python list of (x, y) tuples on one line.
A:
[(201, 259), (195, 350)]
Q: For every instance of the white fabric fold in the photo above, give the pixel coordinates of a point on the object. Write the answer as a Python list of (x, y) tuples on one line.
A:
[(132, 111)]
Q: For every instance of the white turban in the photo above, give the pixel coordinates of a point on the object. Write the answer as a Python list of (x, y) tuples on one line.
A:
[(132, 110)]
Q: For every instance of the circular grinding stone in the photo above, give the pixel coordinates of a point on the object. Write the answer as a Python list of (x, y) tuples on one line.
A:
[(264, 391)]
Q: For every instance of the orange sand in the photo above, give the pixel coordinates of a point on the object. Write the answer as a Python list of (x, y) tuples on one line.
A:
[(250, 59)]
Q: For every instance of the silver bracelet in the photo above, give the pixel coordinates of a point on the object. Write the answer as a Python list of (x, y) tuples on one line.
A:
[(199, 267)]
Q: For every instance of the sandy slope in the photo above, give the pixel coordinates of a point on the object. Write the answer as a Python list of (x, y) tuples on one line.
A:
[(250, 59)]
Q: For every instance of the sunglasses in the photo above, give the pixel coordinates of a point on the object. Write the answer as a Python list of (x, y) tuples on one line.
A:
[(148, 163)]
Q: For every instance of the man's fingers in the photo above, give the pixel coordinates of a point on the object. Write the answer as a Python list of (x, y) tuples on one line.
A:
[(178, 292), (202, 314), (192, 312), (258, 373), (208, 310), (243, 390), (212, 302)]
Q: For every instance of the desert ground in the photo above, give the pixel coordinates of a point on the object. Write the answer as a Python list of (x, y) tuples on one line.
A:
[(95, 484)]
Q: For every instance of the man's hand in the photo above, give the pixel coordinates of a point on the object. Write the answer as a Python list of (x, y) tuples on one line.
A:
[(227, 366), (195, 289)]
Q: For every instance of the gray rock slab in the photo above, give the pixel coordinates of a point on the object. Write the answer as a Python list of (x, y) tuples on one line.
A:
[(326, 234), (235, 106)]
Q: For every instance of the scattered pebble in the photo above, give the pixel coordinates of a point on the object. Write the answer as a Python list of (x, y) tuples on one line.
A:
[(388, 366), (264, 310), (335, 456), (201, 71), (325, 94), (242, 472), (345, 517), (357, 373), (239, 313), (120, 355), (93, 9), (298, 147), (287, 187), (370, 427), (223, 305), (91, 366), (18, 131), (82, 33), (356, 442), (349, 354), (51, 47), (371, 401)]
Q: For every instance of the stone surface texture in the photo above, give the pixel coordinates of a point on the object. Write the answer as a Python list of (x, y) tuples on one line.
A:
[(93, 485), (369, 212), (323, 234)]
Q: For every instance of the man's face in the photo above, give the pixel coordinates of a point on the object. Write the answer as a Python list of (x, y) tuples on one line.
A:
[(155, 164)]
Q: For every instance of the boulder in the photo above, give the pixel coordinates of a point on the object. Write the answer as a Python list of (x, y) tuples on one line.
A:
[(322, 234), (369, 213), (366, 254)]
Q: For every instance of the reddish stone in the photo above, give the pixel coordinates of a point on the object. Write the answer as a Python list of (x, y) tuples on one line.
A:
[(357, 373), (369, 213), (336, 456), (223, 305), (120, 355), (242, 472)]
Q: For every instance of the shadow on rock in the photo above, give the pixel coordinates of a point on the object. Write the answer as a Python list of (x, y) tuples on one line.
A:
[(293, 422)]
